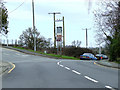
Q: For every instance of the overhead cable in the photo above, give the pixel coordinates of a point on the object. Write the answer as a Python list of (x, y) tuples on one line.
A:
[(16, 8)]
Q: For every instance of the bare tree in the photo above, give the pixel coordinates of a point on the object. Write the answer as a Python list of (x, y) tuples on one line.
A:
[(27, 39), (76, 43), (107, 21)]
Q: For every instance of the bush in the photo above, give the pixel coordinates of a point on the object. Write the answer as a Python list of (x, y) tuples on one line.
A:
[(76, 51), (70, 51)]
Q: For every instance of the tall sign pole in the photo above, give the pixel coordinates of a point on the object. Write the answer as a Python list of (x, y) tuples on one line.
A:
[(34, 25), (54, 13), (59, 40), (62, 33), (54, 31)]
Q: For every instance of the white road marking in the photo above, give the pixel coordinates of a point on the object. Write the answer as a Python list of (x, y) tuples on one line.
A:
[(90, 79), (61, 65), (17, 54), (86, 61), (67, 68), (58, 63), (76, 72), (21, 54), (25, 55), (108, 87)]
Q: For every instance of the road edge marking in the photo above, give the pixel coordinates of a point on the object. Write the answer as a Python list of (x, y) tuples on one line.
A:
[(99, 65), (12, 67)]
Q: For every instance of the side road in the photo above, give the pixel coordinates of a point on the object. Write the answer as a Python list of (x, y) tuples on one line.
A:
[(4, 66), (108, 64), (29, 52), (101, 62)]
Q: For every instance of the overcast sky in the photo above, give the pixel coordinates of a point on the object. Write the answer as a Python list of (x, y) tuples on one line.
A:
[(75, 13)]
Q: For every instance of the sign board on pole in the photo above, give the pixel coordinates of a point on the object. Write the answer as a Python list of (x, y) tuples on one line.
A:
[(59, 30), (59, 34)]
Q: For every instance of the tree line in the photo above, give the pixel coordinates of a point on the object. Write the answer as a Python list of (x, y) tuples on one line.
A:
[(107, 21)]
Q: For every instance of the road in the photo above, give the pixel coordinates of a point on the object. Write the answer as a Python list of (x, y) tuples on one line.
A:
[(42, 72)]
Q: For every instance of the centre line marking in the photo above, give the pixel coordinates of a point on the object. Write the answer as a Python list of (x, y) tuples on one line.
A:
[(61, 65), (76, 72), (67, 68), (90, 79), (108, 87), (58, 63)]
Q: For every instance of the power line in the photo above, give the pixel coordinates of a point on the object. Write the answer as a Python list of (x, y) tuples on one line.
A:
[(17, 7)]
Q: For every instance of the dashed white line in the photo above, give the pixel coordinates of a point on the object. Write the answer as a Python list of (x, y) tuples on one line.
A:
[(90, 79), (61, 65), (76, 72), (67, 68), (58, 63), (80, 73), (108, 87)]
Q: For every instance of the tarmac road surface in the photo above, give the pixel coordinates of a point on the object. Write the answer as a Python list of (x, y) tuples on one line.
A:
[(41, 72)]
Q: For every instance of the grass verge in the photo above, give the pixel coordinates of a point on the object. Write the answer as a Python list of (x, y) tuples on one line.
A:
[(53, 55)]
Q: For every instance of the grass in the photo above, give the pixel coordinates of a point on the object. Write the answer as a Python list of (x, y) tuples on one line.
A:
[(18, 47), (28, 50), (53, 55)]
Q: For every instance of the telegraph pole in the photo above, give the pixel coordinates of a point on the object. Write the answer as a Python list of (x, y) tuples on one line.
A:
[(86, 37), (0, 16), (63, 33), (34, 25), (54, 13)]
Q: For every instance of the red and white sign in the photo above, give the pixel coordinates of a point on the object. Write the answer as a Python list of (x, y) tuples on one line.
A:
[(59, 34), (59, 37)]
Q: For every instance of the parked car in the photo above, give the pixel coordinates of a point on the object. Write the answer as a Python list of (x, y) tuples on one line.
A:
[(101, 56), (88, 56)]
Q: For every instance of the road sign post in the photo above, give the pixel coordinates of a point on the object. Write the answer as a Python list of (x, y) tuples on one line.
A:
[(59, 40)]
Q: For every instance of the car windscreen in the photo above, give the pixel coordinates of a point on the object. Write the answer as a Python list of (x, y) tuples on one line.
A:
[(89, 54)]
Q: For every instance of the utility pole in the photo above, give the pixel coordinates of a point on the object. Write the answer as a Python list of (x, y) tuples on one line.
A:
[(63, 33), (34, 25), (0, 16), (54, 13), (86, 37)]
